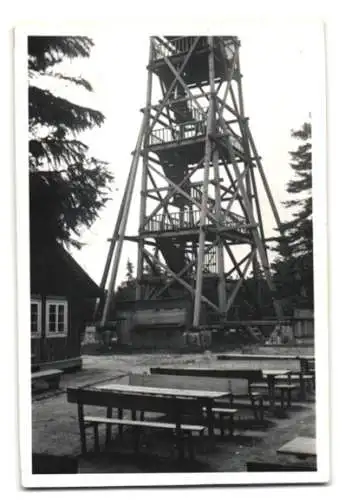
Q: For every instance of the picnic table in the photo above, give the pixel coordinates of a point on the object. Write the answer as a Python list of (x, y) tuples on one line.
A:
[(301, 447), (205, 398), (271, 376), (306, 362), (254, 377), (299, 367), (220, 371), (170, 401)]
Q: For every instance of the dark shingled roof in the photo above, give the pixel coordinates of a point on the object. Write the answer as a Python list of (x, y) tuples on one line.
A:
[(55, 272)]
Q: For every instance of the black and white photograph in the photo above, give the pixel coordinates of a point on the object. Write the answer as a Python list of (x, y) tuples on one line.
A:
[(171, 190)]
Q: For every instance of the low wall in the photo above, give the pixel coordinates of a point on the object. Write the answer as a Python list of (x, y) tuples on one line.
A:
[(302, 349), (157, 339)]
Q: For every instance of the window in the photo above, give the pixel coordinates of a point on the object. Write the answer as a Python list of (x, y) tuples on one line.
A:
[(56, 318), (36, 318)]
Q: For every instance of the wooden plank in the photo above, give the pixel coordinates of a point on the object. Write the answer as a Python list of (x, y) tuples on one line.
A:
[(46, 374), (210, 372), (181, 382), (299, 446), (275, 373), (140, 423), (140, 402), (165, 391), (256, 356)]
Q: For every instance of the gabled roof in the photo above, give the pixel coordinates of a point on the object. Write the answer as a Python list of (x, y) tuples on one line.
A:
[(55, 272)]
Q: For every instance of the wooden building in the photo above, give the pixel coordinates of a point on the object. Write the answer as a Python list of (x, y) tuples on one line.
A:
[(62, 299)]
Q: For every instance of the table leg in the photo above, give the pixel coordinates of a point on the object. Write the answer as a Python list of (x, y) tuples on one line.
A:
[(303, 395), (179, 436), (270, 382), (82, 428), (120, 416), (210, 419), (108, 431), (96, 436)]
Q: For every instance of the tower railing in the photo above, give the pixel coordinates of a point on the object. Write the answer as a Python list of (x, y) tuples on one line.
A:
[(175, 46), (172, 46), (189, 219), (188, 130)]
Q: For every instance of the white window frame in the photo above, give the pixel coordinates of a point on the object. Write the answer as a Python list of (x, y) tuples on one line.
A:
[(56, 303), (38, 333)]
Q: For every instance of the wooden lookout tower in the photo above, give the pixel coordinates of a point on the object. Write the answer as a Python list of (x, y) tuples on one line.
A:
[(200, 224)]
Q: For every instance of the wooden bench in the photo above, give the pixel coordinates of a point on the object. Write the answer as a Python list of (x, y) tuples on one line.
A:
[(180, 431), (285, 388), (198, 383), (199, 378), (223, 413), (305, 381), (308, 368), (280, 467), (171, 406), (52, 377)]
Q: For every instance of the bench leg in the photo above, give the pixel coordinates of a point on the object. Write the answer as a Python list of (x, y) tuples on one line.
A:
[(289, 398), (179, 443), (256, 409), (82, 429), (54, 383), (96, 436), (256, 415), (231, 425), (191, 446), (221, 424), (108, 426), (136, 432), (210, 420), (120, 416), (303, 394), (282, 398)]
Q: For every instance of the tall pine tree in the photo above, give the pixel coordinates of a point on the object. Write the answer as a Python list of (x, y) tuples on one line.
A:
[(293, 266), (68, 186)]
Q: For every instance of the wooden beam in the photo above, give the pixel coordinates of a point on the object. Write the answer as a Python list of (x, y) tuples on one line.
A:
[(239, 282), (203, 208), (183, 193), (184, 283), (170, 194)]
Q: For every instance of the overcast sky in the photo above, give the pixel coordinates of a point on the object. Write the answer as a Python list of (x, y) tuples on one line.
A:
[(278, 67)]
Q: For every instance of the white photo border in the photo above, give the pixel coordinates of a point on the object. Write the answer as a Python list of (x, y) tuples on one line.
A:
[(212, 26)]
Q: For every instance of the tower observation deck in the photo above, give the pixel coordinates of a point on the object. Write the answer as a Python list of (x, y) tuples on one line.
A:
[(200, 220)]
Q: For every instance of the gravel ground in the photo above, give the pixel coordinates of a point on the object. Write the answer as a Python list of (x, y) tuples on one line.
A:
[(55, 428)]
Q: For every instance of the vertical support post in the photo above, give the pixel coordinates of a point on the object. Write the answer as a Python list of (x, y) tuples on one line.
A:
[(249, 176), (140, 258), (123, 224), (249, 212), (208, 153), (112, 248), (220, 246), (263, 177)]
